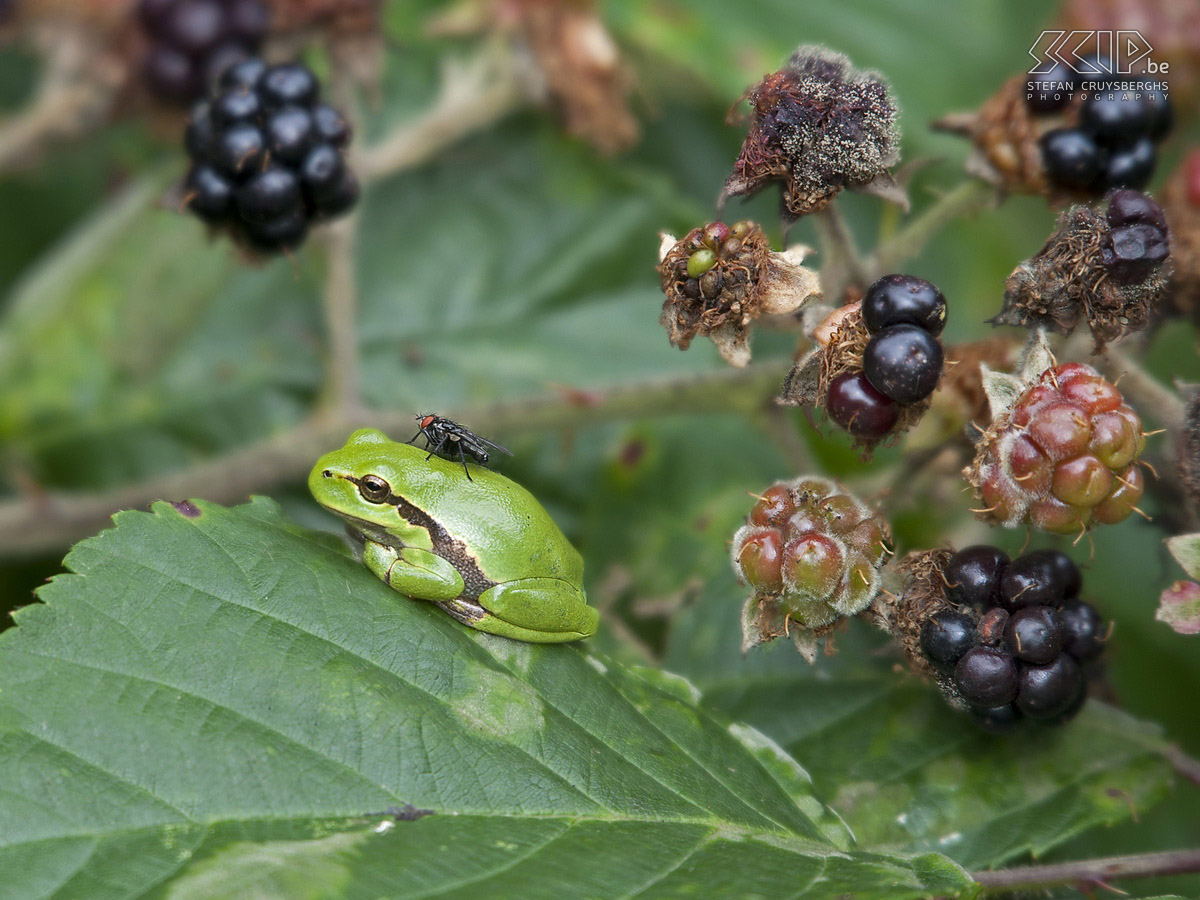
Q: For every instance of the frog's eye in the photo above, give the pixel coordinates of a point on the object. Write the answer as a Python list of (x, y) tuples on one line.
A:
[(374, 489)]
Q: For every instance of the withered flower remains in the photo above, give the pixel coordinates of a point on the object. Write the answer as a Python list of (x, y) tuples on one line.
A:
[(817, 126)]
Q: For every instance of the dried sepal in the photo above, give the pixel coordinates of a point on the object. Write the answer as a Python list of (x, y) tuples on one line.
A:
[(1004, 137), (718, 279), (1079, 274), (922, 594), (817, 126)]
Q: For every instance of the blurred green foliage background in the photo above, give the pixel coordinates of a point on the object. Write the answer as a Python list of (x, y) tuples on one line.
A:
[(518, 262)]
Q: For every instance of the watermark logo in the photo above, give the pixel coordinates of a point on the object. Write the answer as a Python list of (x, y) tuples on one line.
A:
[(1081, 51), (1089, 63)]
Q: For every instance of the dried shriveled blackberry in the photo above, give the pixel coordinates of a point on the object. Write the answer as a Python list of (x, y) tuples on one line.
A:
[(1108, 269), (720, 278), (817, 126)]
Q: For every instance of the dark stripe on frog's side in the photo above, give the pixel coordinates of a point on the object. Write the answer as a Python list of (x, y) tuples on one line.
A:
[(448, 548)]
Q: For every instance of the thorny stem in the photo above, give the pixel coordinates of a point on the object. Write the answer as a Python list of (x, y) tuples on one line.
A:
[(1090, 872), (46, 522)]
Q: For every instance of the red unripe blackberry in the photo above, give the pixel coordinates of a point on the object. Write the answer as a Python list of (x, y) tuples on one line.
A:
[(811, 550), (855, 404), (1064, 457)]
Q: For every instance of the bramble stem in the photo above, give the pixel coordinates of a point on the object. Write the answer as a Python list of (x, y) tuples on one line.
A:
[(48, 522), (1185, 766), (341, 316), (841, 262), (967, 197), (1090, 872), (473, 95)]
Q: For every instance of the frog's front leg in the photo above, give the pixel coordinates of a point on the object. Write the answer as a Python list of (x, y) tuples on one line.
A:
[(540, 610), (413, 572)]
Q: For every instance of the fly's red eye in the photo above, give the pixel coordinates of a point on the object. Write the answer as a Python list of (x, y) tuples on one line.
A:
[(427, 421)]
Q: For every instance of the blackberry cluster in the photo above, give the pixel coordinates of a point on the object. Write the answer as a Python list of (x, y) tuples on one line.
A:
[(267, 156), (1119, 125), (903, 359), (1137, 240), (193, 42), (1015, 640)]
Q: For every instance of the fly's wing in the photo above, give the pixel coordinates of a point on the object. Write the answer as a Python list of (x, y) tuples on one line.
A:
[(490, 445)]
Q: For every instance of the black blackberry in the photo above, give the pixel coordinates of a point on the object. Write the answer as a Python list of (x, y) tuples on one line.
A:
[(193, 42), (1047, 691), (986, 677), (1132, 166), (1113, 145), (946, 636), (903, 362), (972, 576), (1072, 157), (1034, 579), (1035, 634), (266, 156), (904, 300), (1113, 119), (1085, 630), (1022, 660)]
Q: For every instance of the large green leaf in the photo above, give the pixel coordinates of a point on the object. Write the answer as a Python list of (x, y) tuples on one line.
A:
[(215, 702)]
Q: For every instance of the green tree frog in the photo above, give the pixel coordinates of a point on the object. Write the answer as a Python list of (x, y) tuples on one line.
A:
[(483, 549)]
